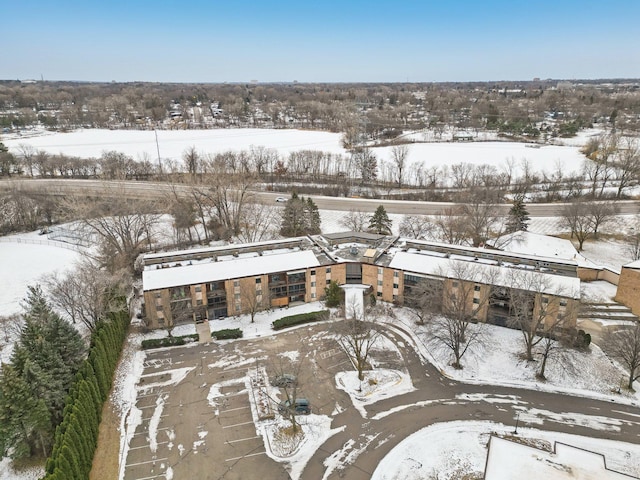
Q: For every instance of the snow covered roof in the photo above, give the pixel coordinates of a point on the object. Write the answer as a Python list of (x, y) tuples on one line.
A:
[(480, 272), (633, 265), (227, 269), (221, 248), (507, 460), (536, 244)]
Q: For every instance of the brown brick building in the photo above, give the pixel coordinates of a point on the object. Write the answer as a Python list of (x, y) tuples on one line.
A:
[(211, 283)]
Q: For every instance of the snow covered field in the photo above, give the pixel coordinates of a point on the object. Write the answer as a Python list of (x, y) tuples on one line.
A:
[(141, 144)]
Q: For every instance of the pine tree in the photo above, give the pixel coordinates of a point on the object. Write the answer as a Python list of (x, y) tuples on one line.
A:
[(518, 217), (313, 218), (25, 422), (334, 295), (380, 222), (300, 217)]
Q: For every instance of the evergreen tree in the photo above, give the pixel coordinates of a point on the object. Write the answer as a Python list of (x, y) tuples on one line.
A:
[(334, 295), (300, 217), (379, 222), (518, 220), (25, 422), (313, 218)]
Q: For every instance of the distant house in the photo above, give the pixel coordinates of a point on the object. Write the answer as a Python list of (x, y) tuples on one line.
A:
[(462, 137)]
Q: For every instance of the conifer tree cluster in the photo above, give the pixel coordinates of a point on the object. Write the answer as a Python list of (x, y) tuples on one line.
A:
[(300, 217), (76, 437), (36, 381)]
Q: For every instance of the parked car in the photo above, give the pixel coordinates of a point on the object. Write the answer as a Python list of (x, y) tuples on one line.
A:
[(281, 199), (284, 380), (302, 407)]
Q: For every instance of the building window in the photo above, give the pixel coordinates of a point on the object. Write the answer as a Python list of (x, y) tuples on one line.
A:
[(476, 288), (395, 285), (158, 295), (476, 301), (395, 297), (258, 280), (379, 283), (313, 295), (313, 284), (454, 284), (158, 308), (236, 296), (328, 269), (313, 272), (236, 283), (237, 308), (380, 271), (395, 274), (328, 282), (563, 303), (545, 299), (198, 288), (198, 302), (378, 294)]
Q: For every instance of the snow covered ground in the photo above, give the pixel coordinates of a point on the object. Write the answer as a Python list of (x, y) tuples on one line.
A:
[(459, 449), (498, 361), (141, 144)]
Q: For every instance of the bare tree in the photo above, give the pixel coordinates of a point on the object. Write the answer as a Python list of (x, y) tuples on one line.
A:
[(355, 221), (464, 298), (399, 154), (259, 222), (357, 336), (425, 298), (598, 167), (416, 226), (624, 346), (451, 227), (10, 326), (254, 296), (537, 307), (87, 293), (576, 216), (192, 162), (601, 213), (626, 164), (124, 228), (480, 212), (287, 377)]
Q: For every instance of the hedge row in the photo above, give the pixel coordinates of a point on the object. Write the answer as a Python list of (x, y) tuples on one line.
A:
[(76, 437), (299, 319), (169, 341), (227, 334)]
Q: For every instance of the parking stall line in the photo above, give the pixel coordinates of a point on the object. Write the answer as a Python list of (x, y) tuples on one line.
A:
[(146, 432), (244, 456), (144, 463), (239, 424), (233, 409), (243, 439), (146, 446)]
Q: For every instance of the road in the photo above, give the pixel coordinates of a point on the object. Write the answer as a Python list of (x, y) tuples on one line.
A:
[(152, 190), (198, 436)]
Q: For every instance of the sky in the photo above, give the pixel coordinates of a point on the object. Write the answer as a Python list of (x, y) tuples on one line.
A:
[(319, 41)]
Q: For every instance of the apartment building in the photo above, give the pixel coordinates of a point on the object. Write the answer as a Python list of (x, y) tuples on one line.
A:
[(217, 282)]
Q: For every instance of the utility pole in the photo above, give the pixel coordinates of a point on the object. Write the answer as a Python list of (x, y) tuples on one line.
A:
[(158, 150)]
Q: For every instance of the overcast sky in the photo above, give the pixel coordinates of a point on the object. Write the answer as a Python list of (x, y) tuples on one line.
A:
[(319, 41)]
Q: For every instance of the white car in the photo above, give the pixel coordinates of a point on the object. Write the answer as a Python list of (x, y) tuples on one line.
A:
[(281, 199)]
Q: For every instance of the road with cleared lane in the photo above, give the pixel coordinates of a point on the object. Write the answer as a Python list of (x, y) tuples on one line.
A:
[(153, 190)]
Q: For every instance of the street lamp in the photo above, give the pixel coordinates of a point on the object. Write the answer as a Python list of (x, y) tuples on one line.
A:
[(515, 432)]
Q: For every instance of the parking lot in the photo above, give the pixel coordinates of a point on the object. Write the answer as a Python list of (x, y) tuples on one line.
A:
[(195, 409)]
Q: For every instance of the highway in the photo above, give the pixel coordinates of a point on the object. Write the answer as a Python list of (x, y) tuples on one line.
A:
[(153, 190)]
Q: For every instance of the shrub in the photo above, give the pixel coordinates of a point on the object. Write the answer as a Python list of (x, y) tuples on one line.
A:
[(300, 319), (227, 334), (169, 341)]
